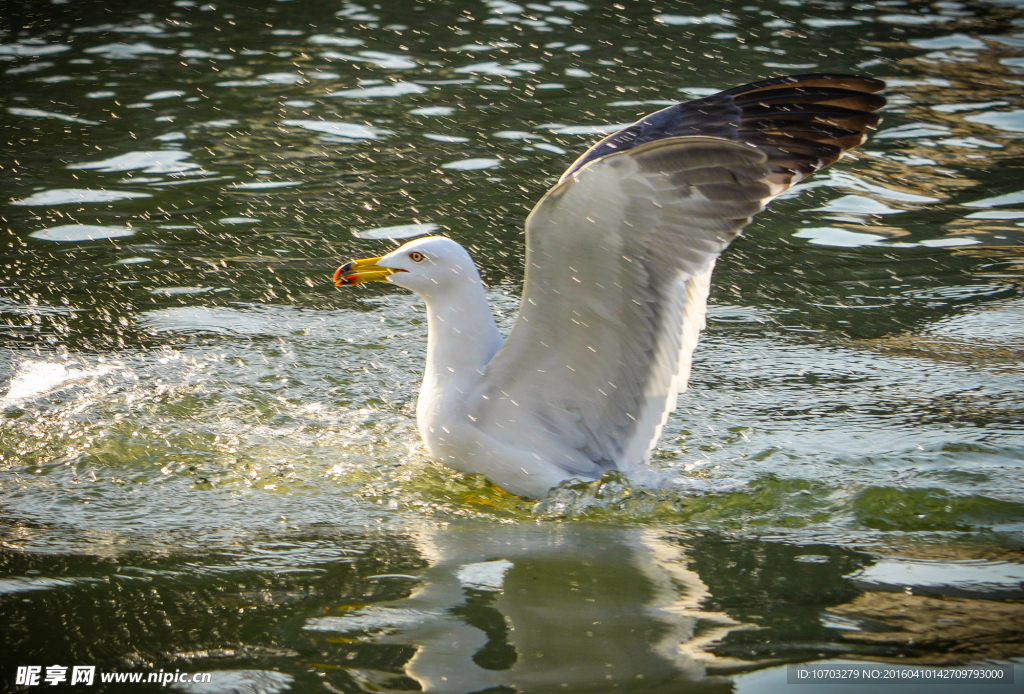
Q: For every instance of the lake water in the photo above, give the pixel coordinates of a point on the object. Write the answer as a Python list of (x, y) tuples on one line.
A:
[(208, 454)]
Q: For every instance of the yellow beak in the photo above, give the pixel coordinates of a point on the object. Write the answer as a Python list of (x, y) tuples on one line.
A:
[(363, 270)]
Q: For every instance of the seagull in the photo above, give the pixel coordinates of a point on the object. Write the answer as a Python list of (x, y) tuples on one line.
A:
[(619, 255)]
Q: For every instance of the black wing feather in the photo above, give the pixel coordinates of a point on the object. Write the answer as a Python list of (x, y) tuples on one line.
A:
[(802, 122)]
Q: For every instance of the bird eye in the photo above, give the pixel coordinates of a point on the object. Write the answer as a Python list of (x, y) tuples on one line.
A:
[(416, 256)]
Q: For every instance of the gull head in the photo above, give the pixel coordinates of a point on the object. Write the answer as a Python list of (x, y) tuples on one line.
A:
[(427, 266)]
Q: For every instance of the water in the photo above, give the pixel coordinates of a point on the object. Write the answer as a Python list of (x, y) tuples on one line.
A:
[(208, 456)]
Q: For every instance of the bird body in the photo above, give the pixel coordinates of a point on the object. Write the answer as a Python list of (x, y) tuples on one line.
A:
[(618, 268), (462, 340)]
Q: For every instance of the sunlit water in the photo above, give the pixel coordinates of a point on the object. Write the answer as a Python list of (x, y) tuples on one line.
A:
[(208, 456)]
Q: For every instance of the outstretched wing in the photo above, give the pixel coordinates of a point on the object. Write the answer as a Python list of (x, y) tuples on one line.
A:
[(619, 260)]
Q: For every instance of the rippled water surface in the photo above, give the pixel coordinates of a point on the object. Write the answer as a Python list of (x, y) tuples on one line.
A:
[(208, 455)]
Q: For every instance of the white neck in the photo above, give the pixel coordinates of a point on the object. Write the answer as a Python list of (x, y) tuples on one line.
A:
[(462, 338)]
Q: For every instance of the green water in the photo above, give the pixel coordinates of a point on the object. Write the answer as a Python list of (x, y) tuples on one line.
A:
[(208, 455)]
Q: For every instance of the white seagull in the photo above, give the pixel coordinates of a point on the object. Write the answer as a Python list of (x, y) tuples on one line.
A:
[(619, 255)]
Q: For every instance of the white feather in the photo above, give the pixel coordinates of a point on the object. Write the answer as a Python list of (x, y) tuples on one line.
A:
[(619, 261)]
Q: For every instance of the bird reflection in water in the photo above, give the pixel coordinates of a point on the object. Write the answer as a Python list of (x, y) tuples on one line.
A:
[(583, 608)]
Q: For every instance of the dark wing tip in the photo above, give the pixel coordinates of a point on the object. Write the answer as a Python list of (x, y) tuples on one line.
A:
[(812, 118), (856, 83), (805, 122)]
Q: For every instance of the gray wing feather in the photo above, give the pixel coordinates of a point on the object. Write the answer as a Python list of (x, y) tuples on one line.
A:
[(619, 259)]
